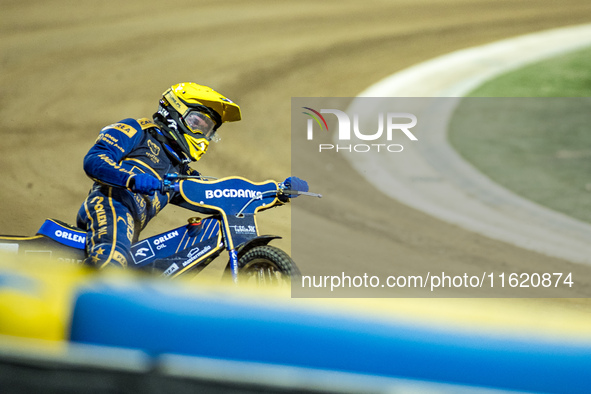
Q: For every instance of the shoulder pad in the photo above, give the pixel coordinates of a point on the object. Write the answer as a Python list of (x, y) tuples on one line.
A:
[(146, 123), (129, 127)]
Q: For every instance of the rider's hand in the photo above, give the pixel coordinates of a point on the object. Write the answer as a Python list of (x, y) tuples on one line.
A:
[(144, 184), (295, 183)]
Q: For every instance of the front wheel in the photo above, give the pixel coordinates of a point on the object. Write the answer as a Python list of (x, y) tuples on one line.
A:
[(266, 265)]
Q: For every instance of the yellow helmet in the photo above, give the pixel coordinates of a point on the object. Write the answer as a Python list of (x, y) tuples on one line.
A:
[(190, 115)]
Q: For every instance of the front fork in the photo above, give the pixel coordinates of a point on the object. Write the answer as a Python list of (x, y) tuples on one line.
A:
[(234, 264)]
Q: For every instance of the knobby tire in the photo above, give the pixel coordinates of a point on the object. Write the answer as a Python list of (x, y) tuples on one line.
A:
[(267, 262)]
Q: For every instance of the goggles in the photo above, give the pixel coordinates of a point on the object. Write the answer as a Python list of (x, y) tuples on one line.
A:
[(200, 123)]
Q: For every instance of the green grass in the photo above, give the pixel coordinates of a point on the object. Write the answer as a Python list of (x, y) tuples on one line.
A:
[(530, 131)]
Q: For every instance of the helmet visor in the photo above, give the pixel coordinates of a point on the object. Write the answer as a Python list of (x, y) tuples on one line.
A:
[(200, 123)]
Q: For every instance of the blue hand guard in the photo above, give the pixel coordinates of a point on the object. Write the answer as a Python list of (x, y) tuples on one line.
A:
[(145, 184), (295, 183)]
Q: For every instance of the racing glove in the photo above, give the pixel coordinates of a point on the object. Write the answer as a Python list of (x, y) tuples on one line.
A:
[(144, 184), (295, 183)]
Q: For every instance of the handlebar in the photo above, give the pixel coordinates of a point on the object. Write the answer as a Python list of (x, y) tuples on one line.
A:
[(287, 192)]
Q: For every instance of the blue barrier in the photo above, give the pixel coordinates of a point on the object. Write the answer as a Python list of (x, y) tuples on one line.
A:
[(157, 322)]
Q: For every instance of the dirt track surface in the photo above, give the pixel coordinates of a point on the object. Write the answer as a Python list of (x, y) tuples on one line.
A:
[(70, 68)]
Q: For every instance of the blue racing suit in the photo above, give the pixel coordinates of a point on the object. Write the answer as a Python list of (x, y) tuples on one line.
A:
[(112, 215)]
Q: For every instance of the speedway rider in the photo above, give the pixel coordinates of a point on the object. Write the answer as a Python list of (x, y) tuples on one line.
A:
[(129, 159)]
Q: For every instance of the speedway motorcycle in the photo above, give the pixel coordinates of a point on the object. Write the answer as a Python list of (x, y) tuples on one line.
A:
[(231, 205)]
